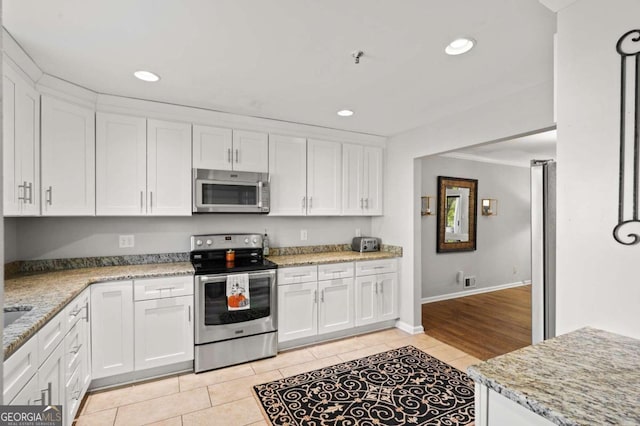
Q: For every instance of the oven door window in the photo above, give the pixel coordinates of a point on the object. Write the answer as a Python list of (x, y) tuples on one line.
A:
[(216, 310), (228, 194)]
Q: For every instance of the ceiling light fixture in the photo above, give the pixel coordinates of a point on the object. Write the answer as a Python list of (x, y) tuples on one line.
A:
[(345, 113), (146, 76), (460, 46)]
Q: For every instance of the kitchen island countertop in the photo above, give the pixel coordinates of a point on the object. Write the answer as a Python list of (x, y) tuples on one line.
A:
[(49, 292), (586, 377)]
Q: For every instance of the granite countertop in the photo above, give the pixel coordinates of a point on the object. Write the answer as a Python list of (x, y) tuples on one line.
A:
[(304, 259), (586, 377), (49, 292)]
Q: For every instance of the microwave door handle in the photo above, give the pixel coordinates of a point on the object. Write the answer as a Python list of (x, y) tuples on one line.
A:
[(260, 190)]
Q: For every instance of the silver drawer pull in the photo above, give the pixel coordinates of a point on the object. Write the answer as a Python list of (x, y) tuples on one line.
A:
[(75, 313), (75, 349), (322, 295)]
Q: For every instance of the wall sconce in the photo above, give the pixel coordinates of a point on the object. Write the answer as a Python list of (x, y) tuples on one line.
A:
[(489, 207), (427, 206)]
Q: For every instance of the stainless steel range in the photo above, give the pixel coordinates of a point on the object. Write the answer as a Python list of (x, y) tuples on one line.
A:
[(236, 300)]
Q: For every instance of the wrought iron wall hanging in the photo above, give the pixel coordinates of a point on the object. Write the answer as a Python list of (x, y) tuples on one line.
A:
[(629, 49)]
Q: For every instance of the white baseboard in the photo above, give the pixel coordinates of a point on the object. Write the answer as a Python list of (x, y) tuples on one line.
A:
[(472, 292), (408, 328)]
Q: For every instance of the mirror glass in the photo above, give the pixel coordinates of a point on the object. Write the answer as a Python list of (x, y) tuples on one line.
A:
[(457, 198)]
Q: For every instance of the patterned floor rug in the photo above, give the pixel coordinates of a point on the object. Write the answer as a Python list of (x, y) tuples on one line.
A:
[(403, 386)]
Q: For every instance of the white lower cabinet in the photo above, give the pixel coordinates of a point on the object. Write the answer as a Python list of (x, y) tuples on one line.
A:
[(164, 331), (376, 293), (54, 363), (111, 328), (138, 324), (314, 307)]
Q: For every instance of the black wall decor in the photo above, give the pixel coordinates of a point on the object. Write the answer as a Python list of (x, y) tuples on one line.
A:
[(628, 47)]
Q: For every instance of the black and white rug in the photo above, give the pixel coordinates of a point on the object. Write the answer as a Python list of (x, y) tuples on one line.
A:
[(403, 386)]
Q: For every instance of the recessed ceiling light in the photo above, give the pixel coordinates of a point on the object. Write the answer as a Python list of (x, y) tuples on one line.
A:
[(146, 76), (345, 113), (460, 46)]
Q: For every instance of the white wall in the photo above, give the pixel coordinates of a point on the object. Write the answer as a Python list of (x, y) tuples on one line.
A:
[(597, 278), (503, 249), (54, 238), (519, 113)]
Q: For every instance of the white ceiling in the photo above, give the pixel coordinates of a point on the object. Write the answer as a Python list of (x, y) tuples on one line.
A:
[(516, 152), (291, 59)]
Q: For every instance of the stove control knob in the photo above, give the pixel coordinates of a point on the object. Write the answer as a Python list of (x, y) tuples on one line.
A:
[(198, 242), (209, 242), (255, 241), (246, 241)]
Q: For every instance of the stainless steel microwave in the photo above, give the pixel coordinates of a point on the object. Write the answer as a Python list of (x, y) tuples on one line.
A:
[(225, 191)]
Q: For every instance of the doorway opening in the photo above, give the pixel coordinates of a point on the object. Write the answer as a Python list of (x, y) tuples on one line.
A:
[(495, 316)]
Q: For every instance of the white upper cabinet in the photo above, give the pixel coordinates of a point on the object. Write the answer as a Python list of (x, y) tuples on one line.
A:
[(362, 180), (372, 181), (250, 151), (168, 168), (212, 148), (21, 146), (324, 178), (288, 174), (121, 165), (68, 159), (217, 148)]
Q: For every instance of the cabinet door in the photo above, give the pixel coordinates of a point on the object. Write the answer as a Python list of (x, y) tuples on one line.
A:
[(164, 331), (324, 178), (288, 174), (168, 168), (68, 159), (336, 307), (121, 165), (366, 300), (387, 296), (19, 368), (372, 185), (352, 180), (21, 146), (51, 377), (30, 394), (212, 148), (297, 311), (250, 151), (111, 328)]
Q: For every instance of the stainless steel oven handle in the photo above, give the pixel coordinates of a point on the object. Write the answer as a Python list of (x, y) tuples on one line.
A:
[(204, 279), (260, 190)]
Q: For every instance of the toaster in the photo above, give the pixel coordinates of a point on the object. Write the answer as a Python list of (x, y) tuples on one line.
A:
[(363, 244)]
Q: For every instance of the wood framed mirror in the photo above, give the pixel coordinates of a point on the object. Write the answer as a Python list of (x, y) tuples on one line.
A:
[(457, 214)]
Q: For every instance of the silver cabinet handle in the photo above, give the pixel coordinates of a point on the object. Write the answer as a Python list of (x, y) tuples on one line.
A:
[(24, 192), (228, 155), (151, 202), (366, 203), (86, 311), (75, 349), (189, 313), (236, 155), (141, 201), (30, 187), (381, 289), (49, 196), (75, 313), (376, 288), (322, 295), (310, 202), (315, 296), (304, 203)]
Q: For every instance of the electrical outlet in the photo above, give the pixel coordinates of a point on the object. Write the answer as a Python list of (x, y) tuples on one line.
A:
[(126, 241), (469, 282), (358, 234), (303, 235)]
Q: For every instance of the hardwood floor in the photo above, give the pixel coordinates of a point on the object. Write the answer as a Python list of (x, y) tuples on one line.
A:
[(484, 325)]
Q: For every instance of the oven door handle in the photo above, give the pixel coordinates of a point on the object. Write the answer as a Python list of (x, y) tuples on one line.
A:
[(260, 188), (222, 278)]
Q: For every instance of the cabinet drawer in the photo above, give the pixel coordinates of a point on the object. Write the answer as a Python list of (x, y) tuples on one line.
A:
[(19, 368), (335, 271), (50, 335), (301, 274), (159, 288), (376, 267), (76, 310), (73, 394)]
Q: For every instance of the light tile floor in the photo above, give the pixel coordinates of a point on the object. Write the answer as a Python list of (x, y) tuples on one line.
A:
[(225, 396)]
